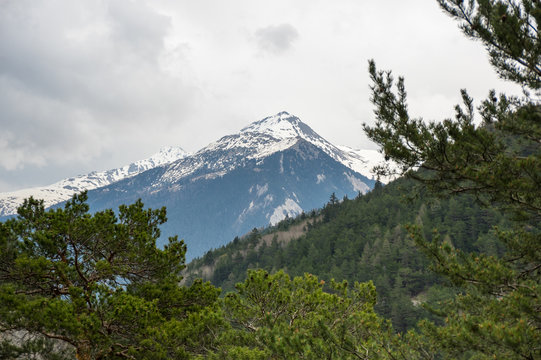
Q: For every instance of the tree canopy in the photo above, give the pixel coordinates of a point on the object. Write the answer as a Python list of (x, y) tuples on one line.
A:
[(498, 160), (96, 286), (281, 318)]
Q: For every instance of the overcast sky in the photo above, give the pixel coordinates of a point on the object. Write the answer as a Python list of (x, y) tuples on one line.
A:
[(95, 84)]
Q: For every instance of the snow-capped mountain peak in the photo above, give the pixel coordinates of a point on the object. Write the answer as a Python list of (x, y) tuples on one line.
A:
[(271, 135), (166, 155), (256, 141), (281, 126)]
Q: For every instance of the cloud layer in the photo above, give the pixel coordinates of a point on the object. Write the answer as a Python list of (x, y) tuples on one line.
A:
[(73, 75), (276, 39), (90, 85)]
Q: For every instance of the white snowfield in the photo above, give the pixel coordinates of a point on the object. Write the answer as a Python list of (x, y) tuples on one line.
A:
[(65, 189), (256, 141), (289, 208)]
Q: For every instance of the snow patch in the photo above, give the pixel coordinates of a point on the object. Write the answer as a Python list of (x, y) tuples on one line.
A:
[(65, 189), (210, 176), (173, 188), (289, 208), (262, 189), (251, 208), (268, 200), (357, 184), (363, 161)]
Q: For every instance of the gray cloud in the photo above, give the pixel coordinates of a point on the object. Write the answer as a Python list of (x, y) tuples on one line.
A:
[(276, 39), (92, 85), (73, 77)]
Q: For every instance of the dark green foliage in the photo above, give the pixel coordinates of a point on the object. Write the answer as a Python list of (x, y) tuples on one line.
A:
[(497, 312), (96, 286), (364, 239)]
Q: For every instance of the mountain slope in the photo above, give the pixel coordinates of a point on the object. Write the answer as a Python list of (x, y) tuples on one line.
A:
[(272, 168), (65, 189), (229, 196), (360, 239)]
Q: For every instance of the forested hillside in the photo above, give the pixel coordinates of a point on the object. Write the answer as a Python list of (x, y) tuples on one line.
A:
[(361, 239)]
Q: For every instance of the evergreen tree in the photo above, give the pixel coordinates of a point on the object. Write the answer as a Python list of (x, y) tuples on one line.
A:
[(96, 286), (275, 317), (333, 200), (497, 314)]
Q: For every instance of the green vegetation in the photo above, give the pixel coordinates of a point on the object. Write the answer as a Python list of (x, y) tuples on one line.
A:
[(280, 318), (360, 240), (96, 286), (497, 313)]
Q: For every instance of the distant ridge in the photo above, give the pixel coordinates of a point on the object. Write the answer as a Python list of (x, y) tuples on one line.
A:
[(65, 189)]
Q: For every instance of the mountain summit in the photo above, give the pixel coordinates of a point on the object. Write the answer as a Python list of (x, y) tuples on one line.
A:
[(268, 136), (282, 126), (258, 140)]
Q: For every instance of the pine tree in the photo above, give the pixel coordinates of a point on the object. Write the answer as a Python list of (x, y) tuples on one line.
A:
[(498, 312), (96, 286), (275, 317), (333, 200)]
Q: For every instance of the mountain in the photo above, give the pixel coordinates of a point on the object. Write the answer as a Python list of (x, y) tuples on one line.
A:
[(274, 168), (261, 139), (65, 189), (362, 239)]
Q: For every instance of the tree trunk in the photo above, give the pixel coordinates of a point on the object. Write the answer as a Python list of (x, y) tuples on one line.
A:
[(83, 351)]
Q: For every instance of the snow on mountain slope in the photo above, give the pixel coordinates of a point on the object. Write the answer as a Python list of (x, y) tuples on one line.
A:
[(65, 189), (259, 140), (283, 126), (289, 208), (363, 161), (256, 141)]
